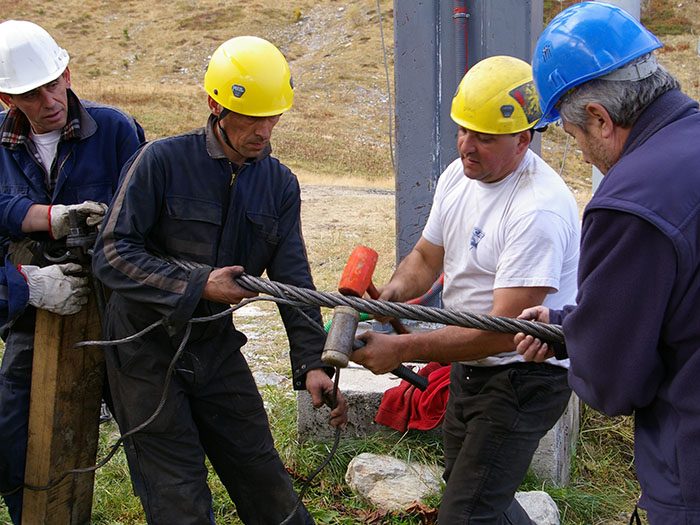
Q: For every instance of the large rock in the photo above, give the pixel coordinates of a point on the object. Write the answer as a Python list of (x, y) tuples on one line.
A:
[(390, 483), (539, 506)]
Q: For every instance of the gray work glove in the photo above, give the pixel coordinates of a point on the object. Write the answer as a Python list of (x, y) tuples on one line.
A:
[(53, 288), (59, 225)]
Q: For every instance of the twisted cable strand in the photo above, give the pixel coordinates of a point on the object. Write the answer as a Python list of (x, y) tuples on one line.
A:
[(544, 332)]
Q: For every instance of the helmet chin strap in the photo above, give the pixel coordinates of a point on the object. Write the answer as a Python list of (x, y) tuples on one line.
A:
[(219, 118)]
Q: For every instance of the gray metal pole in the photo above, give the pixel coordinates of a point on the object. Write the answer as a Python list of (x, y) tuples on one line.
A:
[(460, 17)]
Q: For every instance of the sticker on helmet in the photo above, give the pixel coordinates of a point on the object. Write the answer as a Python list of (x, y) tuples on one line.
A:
[(526, 96), (238, 90), (507, 110)]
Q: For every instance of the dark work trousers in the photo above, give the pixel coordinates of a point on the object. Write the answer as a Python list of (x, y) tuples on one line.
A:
[(213, 409), (15, 385), (493, 424)]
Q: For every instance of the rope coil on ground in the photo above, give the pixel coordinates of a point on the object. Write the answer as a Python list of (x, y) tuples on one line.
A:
[(545, 332)]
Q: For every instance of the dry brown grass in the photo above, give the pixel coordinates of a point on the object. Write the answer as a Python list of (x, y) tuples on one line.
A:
[(149, 58)]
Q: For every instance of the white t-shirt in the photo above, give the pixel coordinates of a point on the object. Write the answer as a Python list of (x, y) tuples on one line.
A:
[(46, 146), (522, 231)]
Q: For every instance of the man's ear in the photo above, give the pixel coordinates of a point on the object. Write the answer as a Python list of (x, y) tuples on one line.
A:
[(66, 77), (214, 106), (599, 119), (6, 99), (524, 139)]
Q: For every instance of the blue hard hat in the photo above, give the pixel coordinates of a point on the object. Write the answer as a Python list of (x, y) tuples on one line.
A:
[(585, 41)]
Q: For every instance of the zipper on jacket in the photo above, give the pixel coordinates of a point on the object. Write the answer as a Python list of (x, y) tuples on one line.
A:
[(48, 190), (58, 172), (235, 170)]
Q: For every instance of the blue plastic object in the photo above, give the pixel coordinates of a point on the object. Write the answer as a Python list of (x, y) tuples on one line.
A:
[(584, 41)]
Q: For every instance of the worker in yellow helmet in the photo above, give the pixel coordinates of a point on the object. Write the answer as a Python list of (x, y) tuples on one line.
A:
[(504, 229), (192, 212)]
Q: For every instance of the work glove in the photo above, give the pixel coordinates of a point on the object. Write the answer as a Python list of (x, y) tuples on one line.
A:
[(59, 224), (55, 289)]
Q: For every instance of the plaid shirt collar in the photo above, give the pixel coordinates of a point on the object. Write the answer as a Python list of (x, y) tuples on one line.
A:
[(15, 129)]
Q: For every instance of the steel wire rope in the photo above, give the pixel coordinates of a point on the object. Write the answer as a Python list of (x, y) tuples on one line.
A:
[(545, 332)]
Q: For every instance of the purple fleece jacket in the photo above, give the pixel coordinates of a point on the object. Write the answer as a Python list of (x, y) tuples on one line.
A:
[(634, 336)]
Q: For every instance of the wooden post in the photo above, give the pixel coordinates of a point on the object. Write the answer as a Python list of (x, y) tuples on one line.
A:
[(63, 417)]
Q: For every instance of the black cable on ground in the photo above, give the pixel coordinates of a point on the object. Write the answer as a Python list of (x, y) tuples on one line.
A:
[(332, 402), (168, 377)]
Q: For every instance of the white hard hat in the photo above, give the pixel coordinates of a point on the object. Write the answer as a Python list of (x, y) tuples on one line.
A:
[(29, 57)]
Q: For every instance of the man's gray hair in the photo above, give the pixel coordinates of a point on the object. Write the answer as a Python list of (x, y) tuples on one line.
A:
[(623, 99)]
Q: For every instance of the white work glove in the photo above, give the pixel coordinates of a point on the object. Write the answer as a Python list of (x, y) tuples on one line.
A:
[(53, 288), (59, 225)]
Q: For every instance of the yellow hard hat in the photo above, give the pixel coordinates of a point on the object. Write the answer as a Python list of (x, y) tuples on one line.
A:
[(497, 96), (250, 76)]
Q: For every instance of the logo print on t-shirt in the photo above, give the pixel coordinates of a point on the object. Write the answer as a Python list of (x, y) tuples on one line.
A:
[(477, 235)]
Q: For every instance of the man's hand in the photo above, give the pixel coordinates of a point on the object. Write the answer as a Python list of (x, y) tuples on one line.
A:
[(55, 288), (320, 386), (529, 347), (381, 353), (59, 225), (222, 287)]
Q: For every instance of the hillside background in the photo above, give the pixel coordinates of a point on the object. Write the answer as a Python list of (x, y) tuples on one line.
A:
[(150, 58)]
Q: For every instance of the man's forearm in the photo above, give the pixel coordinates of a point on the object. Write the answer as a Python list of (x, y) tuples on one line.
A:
[(416, 273), (36, 219), (454, 343)]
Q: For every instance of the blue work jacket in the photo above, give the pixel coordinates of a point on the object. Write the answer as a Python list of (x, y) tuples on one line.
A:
[(87, 167), (634, 336)]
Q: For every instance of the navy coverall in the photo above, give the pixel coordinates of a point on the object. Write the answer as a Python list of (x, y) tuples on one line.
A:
[(181, 199), (94, 145)]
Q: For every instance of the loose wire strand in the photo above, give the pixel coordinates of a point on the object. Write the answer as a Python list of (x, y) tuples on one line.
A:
[(388, 86), (168, 377)]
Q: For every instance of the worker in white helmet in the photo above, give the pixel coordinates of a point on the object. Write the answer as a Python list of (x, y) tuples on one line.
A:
[(57, 154)]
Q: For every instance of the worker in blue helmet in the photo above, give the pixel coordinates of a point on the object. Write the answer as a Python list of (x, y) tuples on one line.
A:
[(634, 336)]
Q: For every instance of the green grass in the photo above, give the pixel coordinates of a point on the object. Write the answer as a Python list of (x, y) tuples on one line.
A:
[(602, 488)]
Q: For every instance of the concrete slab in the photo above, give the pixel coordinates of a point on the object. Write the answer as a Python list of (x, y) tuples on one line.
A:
[(364, 390)]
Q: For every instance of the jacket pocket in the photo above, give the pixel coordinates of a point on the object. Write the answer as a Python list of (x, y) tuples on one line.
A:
[(263, 242), (14, 189), (98, 192), (192, 228)]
